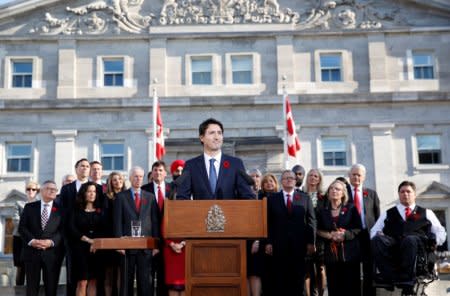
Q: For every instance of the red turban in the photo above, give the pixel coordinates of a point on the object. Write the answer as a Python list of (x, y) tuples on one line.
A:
[(175, 164)]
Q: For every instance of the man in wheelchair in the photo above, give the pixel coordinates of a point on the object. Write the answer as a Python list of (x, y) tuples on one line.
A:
[(403, 241)]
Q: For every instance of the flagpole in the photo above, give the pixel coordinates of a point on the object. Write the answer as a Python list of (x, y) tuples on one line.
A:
[(155, 110), (285, 155)]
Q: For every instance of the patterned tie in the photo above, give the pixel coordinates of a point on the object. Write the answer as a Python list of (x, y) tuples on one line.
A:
[(212, 175), (289, 203), (407, 212), (160, 199), (44, 216), (137, 201), (356, 200)]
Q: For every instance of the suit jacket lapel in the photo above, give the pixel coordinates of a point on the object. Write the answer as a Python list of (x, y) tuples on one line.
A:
[(223, 172), (130, 202), (145, 202), (204, 176)]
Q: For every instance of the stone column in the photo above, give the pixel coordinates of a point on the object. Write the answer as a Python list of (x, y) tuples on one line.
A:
[(285, 62), (383, 161), (66, 69), (64, 153), (377, 63), (158, 66)]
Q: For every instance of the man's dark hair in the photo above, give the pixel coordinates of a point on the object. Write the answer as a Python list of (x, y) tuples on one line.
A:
[(48, 182), (157, 164), (204, 125), (95, 162), (407, 183), (80, 161)]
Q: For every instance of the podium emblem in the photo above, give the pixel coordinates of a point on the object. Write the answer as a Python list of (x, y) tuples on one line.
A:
[(215, 221)]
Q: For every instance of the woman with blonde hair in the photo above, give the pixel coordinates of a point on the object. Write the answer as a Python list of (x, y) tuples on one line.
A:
[(32, 189), (339, 224)]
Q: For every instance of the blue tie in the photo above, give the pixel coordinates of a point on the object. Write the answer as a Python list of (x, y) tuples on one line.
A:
[(212, 175)]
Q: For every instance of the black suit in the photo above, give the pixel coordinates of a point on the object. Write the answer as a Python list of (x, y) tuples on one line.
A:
[(67, 199), (138, 261), (289, 233), (158, 271), (371, 204), (46, 260)]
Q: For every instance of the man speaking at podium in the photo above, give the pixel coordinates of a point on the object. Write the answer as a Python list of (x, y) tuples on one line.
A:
[(213, 175)]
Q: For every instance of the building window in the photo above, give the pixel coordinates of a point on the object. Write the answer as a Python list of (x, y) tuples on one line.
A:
[(18, 157), (334, 152), (429, 149), (330, 67), (112, 156), (113, 71), (423, 66), (9, 228), (22, 73), (242, 68), (201, 68)]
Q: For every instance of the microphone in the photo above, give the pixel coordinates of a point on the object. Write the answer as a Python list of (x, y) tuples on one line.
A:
[(249, 180)]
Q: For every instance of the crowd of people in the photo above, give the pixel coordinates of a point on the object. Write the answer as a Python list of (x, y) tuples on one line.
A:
[(317, 239)]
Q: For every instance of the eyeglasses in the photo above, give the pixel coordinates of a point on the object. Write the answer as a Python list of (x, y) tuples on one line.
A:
[(31, 189), (52, 189), (288, 178)]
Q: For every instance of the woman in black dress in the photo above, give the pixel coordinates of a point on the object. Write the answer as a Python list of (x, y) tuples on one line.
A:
[(339, 224), (87, 222)]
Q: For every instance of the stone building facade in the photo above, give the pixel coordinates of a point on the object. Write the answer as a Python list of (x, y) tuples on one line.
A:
[(369, 82)]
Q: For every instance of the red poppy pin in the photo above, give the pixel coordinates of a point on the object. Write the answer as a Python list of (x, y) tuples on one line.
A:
[(415, 216), (365, 193), (297, 197), (98, 210), (54, 209), (143, 201), (226, 164), (344, 210)]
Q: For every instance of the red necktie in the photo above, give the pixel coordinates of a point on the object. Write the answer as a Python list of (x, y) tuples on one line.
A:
[(356, 200), (137, 201), (407, 212), (160, 199), (289, 203)]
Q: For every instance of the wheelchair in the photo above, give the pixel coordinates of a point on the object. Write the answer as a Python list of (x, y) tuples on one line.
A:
[(425, 269)]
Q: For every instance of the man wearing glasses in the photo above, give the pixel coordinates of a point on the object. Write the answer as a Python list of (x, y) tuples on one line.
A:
[(292, 227), (41, 230)]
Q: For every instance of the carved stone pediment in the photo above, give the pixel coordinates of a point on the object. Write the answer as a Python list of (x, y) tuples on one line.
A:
[(137, 16)]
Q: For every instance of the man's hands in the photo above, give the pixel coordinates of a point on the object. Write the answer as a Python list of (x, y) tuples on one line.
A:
[(42, 244)]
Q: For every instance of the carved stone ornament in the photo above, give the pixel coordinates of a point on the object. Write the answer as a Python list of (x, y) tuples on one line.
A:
[(215, 221), (115, 16)]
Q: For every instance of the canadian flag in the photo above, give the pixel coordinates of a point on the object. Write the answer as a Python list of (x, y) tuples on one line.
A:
[(292, 141), (160, 149)]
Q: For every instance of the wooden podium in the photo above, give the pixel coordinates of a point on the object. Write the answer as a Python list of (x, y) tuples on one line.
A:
[(215, 232)]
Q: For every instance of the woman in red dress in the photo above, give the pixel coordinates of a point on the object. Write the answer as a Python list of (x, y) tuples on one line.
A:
[(174, 257)]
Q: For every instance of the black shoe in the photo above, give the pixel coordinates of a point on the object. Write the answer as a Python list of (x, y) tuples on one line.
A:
[(408, 291)]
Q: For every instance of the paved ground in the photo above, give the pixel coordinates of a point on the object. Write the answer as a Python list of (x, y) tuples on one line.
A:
[(439, 288)]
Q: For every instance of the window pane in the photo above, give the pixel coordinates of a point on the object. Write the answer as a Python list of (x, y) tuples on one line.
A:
[(422, 59), (201, 65), (241, 63), (22, 67), (112, 148), (330, 61), (118, 163), (333, 144), (113, 65), (109, 79), (336, 75), (242, 77), (27, 81), (13, 165), (25, 165), (428, 142), (119, 80), (201, 78), (107, 163), (19, 150)]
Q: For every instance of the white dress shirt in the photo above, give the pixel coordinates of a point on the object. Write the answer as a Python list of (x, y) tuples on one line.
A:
[(436, 226), (218, 157), (361, 202), (291, 194), (79, 183)]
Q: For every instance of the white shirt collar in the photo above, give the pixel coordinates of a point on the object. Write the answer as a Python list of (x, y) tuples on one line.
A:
[(217, 157)]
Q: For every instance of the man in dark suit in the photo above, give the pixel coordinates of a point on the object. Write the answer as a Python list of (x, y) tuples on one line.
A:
[(292, 225), (41, 230), (135, 204), (367, 203), (67, 200), (214, 175), (161, 190)]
